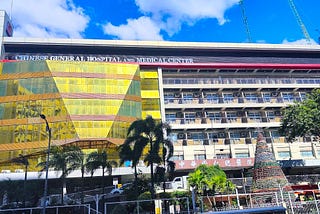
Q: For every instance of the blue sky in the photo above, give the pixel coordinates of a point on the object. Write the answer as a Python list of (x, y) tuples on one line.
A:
[(269, 21)]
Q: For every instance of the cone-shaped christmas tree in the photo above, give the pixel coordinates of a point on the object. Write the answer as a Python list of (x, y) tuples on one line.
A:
[(267, 173)]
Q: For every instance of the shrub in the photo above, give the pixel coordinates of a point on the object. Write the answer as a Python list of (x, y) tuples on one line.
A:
[(119, 208)]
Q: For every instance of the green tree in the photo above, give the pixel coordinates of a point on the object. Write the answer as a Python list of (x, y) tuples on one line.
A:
[(99, 159), (25, 162), (142, 134), (167, 167), (126, 153), (64, 159), (302, 119), (82, 165), (209, 178)]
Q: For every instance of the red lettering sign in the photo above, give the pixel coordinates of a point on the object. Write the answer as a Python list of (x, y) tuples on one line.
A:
[(226, 163)]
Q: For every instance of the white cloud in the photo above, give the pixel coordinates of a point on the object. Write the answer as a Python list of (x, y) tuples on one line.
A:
[(169, 16), (176, 12), (46, 18), (142, 28), (300, 42)]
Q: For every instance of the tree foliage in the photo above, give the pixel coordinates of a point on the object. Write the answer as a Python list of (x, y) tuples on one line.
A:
[(205, 178), (65, 159), (302, 119), (99, 159), (146, 134)]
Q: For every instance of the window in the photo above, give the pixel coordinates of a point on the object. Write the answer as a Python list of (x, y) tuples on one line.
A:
[(197, 136), (254, 115), (271, 115), (222, 156), (303, 95), (228, 98), (306, 154), (168, 97), (251, 97), (190, 117), (213, 137), (171, 117), (173, 137), (267, 96), (275, 134), (216, 116), (235, 135), (177, 157), (187, 97), (231, 116), (288, 97), (242, 155), (212, 98), (199, 156), (284, 154)]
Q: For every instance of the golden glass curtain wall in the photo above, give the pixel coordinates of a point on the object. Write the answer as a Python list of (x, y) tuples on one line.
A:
[(90, 104)]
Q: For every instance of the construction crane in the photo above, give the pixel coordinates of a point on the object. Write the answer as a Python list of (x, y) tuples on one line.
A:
[(245, 20), (299, 20)]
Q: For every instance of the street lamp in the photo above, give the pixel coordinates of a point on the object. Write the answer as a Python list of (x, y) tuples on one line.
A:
[(47, 165)]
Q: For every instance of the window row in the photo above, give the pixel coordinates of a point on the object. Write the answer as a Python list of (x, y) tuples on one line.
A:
[(235, 97), (203, 117)]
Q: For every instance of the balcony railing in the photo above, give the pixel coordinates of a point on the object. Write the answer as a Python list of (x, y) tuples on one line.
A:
[(210, 121), (221, 100)]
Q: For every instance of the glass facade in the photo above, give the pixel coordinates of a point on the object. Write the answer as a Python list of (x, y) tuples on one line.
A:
[(83, 102)]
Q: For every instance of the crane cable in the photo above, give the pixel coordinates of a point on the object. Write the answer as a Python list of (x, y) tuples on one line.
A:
[(245, 20)]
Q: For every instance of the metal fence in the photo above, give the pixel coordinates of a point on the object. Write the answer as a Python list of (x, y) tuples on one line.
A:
[(66, 209), (289, 200), (158, 206)]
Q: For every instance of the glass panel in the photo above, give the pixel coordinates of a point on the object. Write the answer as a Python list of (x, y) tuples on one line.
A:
[(242, 155), (199, 156), (306, 153), (284, 154)]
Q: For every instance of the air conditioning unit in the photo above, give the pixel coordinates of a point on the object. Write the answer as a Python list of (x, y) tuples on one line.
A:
[(181, 136), (189, 135), (196, 94), (237, 94), (243, 134), (199, 114), (277, 113), (239, 113), (221, 135), (179, 115), (177, 95)]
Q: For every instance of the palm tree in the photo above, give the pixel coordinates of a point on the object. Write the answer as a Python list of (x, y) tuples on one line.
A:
[(82, 169), (167, 153), (143, 134), (99, 159), (126, 153), (64, 159), (24, 161)]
